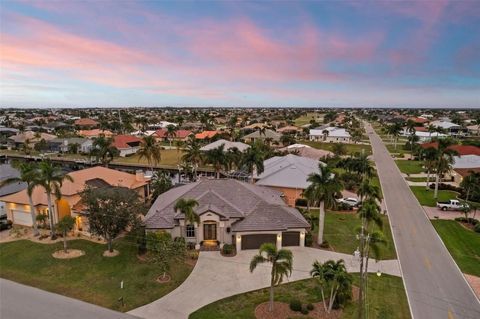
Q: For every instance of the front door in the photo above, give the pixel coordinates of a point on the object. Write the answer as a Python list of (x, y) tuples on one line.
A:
[(209, 231)]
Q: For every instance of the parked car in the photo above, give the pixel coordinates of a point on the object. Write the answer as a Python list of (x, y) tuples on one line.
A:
[(5, 224), (452, 204), (350, 201)]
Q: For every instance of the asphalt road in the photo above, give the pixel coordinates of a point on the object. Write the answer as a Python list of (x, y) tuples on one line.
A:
[(435, 286), (23, 302)]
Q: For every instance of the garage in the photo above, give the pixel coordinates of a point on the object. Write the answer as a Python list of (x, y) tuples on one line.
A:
[(290, 238), (255, 241), (21, 217)]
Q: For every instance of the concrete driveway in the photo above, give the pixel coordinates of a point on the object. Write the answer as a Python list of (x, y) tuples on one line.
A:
[(216, 277)]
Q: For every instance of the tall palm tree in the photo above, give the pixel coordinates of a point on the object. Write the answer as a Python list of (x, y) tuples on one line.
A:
[(104, 150), (28, 175), (187, 208), (171, 133), (443, 161), (217, 158), (253, 160), (322, 190), (429, 156), (282, 263), (367, 190), (193, 154), (394, 130), (150, 150), (51, 178), (471, 184)]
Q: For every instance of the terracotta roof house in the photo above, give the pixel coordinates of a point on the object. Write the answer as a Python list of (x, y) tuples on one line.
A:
[(30, 136), (18, 209), (227, 145), (180, 135), (289, 129), (95, 133), (287, 174), (461, 149), (86, 123), (126, 144), (459, 174), (419, 120), (231, 212), (206, 134)]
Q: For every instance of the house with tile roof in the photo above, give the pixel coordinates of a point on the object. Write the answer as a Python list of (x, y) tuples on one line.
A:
[(180, 135), (126, 144), (227, 145), (206, 134), (86, 123), (262, 135), (330, 134), (94, 133), (231, 212), (287, 174), (18, 208)]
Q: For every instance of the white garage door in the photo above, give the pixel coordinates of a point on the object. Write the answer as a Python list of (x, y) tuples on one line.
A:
[(21, 217)]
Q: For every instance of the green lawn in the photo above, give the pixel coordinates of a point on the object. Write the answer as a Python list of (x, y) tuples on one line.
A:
[(341, 229), (305, 119), (463, 245), (351, 148), (410, 167), (386, 297), (419, 179), (92, 278), (400, 148), (426, 197), (169, 158)]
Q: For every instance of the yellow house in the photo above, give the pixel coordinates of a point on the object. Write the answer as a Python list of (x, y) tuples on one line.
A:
[(18, 209)]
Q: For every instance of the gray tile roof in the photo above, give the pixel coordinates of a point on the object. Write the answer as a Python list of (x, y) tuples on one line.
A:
[(268, 134), (287, 171), (228, 145), (257, 207), (7, 171)]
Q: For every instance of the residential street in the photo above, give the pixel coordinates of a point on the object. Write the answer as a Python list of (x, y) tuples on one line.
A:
[(23, 302), (216, 277), (435, 286)]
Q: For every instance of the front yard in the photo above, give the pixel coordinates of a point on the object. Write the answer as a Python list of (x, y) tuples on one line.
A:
[(425, 197), (351, 148), (386, 298), (463, 244), (410, 167), (92, 278)]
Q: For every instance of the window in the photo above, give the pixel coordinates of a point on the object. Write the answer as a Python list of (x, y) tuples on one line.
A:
[(190, 231)]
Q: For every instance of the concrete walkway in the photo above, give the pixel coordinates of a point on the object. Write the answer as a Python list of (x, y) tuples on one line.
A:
[(216, 277)]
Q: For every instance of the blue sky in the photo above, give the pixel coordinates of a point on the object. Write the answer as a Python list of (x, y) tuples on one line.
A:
[(240, 53)]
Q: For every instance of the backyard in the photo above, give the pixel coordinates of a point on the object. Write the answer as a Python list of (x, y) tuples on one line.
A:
[(462, 243), (92, 277), (386, 299), (351, 148), (410, 167), (425, 197)]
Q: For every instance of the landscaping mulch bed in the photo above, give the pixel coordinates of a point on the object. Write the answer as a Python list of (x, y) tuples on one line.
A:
[(114, 253), (163, 279), (71, 253), (282, 310)]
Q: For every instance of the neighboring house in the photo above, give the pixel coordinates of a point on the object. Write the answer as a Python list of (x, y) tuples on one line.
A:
[(330, 134), (262, 135), (449, 127), (6, 172), (86, 123), (143, 133), (255, 126), (419, 120), (206, 134), (306, 151), (160, 125), (180, 135), (95, 133), (18, 140), (287, 174), (423, 134), (63, 145), (227, 145), (126, 144), (460, 149), (52, 126), (463, 165), (474, 129), (7, 131), (289, 130), (18, 209), (231, 212), (459, 174)]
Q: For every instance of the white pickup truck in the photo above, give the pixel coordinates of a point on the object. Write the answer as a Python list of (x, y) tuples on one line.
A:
[(452, 204)]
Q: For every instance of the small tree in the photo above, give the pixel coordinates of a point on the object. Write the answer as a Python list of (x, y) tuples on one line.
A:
[(163, 250), (161, 183), (281, 260), (111, 210), (65, 225), (42, 218)]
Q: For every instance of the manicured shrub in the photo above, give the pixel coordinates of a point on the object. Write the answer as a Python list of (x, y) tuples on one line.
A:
[(308, 239), (325, 244), (295, 305), (227, 249), (301, 202), (477, 228), (469, 220), (304, 311), (310, 307)]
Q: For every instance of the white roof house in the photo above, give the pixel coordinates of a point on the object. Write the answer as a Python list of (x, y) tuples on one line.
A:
[(466, 161), (227, 145), (424, 136), (161, 124), (445, 125), (290, 171), (335, 134)]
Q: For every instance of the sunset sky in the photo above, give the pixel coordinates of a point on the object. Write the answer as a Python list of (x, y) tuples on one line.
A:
[(237, 53)]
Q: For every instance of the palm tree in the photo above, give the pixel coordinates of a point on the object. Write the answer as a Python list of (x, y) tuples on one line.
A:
[(28, 175), (217, 158), (332, 274), (51, 178), (26, 148), (443, 161), (429, 155), (65, 225), (323, 189), (282, 263), (193, 154), (171, 133), (187, 208), (470, 184), (103, 150), (253, 160), (367, 190), (394, 130), (150, 150)]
